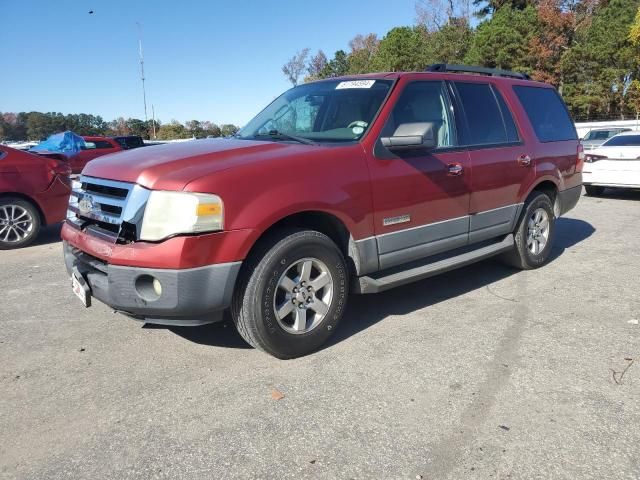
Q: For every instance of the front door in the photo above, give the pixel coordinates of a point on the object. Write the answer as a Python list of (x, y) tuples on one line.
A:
[(420, 197)]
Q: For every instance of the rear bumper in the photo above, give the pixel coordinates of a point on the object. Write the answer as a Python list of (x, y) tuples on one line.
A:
[(568, 198), (192, 296)]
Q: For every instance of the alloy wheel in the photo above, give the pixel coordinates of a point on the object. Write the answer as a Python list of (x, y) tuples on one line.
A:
[(16, 223), (303, 295)]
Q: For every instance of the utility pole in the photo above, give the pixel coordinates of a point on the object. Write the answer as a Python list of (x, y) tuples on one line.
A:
[(153, 120), (144, 93)]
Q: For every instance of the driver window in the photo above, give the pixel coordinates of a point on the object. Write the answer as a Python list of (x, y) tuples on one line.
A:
[(424, 102)]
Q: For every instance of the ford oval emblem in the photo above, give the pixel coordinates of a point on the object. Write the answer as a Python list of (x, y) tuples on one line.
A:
[(85, 205)]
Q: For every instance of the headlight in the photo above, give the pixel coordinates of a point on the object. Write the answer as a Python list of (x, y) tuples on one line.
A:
[(172, 213)]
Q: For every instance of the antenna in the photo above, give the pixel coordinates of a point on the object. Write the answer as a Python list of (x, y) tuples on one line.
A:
[(144, 93)]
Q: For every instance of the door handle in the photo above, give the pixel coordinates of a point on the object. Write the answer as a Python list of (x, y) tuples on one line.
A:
[(524, 160), (454, 169)]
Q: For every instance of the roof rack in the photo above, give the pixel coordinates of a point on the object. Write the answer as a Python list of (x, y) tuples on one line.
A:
[(494, 72)]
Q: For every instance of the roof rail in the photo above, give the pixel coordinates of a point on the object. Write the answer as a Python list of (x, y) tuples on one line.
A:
[(494, 72)]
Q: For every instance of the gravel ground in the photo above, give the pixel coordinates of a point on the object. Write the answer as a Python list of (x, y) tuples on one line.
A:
[(481, 373)]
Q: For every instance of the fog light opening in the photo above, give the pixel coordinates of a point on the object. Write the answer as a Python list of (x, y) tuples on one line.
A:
[(148, 288)]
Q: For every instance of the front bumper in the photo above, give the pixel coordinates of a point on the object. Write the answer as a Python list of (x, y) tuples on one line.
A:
[(193, 296)]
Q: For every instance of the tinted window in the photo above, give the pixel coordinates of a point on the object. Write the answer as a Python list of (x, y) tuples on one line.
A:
[(623, 141), (547, 113), (509, 124), (102, 144), (484, 117), (422, 102)]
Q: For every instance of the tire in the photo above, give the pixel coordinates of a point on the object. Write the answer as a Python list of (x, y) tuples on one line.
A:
[(270, 285), (530, 251), (593, 190), (19, 223)]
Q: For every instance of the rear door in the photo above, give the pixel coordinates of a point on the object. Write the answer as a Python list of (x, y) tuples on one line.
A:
[(556, 141), (500, 159), (421, 197)]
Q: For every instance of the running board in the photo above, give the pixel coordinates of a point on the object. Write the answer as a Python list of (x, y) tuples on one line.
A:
[(374, 284)]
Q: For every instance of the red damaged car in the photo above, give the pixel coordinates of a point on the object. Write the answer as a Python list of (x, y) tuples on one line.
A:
[(34, 191)]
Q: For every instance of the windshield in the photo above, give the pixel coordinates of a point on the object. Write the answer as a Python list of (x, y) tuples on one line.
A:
[(623, 141), (328, 111)]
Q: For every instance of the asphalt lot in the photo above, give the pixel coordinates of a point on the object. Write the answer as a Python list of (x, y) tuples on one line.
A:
[(484, 372)]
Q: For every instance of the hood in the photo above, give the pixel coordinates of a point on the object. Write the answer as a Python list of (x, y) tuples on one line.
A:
[(622, 153), (173, 166)]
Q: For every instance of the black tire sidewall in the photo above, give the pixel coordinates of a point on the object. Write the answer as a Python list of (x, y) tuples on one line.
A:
[(278, 341), (531, 260), (35, 215)]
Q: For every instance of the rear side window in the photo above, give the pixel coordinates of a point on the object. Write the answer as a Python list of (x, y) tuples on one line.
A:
[(509, 124), (102, 144), (547, 113), (623, 141), (487, 124)]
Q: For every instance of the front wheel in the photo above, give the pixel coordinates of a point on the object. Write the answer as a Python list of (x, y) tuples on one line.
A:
[(534, 234), (19, 223), (292, 294)]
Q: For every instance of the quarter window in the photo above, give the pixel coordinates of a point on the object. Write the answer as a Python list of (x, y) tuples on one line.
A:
[(547, 113)]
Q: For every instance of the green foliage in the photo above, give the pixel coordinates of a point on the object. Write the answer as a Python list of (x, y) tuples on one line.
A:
[(450, 43), (337, 66), (38, 126), (487, 7), (598, 70), (503, 40), (402, 49)]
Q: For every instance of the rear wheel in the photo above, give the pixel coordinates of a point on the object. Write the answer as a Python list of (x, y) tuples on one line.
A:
[(19, 223), (292, 294), (534, 234), (594, 190)]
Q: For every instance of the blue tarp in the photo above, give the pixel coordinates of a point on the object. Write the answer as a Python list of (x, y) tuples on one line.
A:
[(66, 143)]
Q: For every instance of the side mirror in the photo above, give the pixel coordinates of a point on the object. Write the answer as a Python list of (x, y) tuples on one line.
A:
[(412, 136)]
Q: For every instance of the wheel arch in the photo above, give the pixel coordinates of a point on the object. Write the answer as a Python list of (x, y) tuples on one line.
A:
[(31, 200), (548, 186), (322, 221)]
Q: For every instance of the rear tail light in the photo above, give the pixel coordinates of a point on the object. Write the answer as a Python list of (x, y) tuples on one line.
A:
[(580, 158)]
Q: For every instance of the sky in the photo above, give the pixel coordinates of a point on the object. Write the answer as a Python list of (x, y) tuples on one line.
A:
[(206, 60)]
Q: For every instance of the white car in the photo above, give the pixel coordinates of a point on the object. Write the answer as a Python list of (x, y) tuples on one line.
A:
[(615, 164)]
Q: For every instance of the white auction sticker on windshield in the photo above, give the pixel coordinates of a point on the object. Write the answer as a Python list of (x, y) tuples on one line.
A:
[(356, 84)]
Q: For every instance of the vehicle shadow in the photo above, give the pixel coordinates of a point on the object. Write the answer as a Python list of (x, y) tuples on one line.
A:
[(48, 234), (364, 311), (220, 334), (619, 194)]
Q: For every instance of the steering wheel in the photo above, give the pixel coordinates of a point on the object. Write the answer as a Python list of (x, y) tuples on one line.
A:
[(358, 123)]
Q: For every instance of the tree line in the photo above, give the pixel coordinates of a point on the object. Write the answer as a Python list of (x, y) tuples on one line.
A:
[(588, 49), (38, 125)]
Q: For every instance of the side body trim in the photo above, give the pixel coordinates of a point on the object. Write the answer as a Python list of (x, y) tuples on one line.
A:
[(391, 249)]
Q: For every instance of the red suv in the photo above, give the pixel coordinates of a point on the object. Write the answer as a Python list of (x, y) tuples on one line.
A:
[(34, 191), (355, 184)]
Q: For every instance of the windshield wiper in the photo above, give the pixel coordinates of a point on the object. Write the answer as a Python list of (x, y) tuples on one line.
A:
[(285, 136)]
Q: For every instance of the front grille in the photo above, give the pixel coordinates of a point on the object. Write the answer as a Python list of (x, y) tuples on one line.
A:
[(108, 209)]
